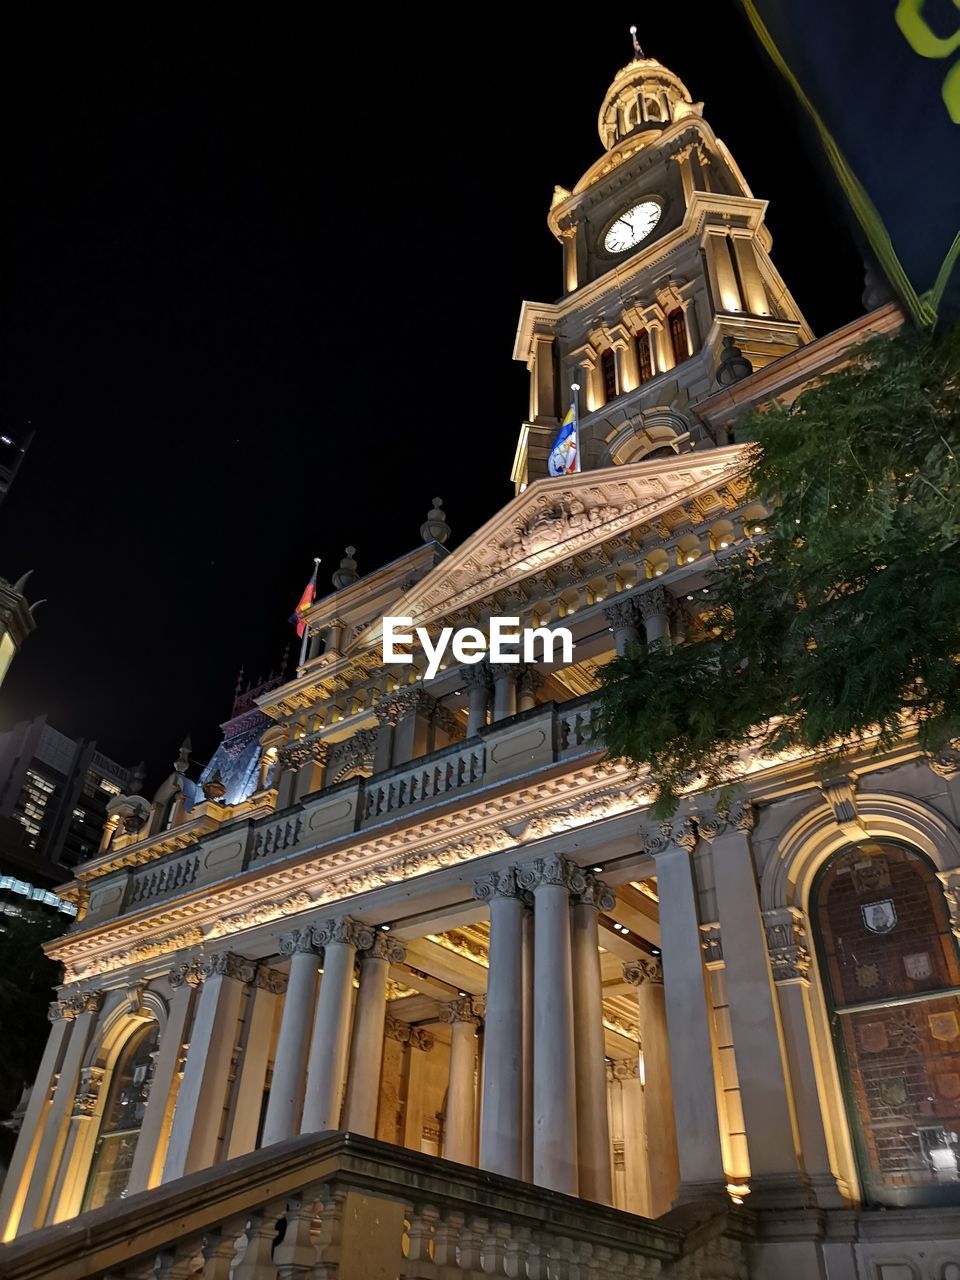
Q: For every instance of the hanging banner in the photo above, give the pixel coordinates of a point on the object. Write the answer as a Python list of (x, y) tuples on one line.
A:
[(881, 82)]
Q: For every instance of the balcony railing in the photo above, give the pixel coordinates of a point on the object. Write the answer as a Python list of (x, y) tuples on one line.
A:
[(534, 739), (340, 1207)]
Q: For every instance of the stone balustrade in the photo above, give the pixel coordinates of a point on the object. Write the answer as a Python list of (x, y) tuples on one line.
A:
[(165, 869), (342, 1207), (452, 769)]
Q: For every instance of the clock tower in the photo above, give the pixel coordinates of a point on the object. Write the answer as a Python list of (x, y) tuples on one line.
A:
[(668, 285)]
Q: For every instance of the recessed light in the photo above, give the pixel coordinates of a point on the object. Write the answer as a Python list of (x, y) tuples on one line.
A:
[(385, 928), (597, 870)]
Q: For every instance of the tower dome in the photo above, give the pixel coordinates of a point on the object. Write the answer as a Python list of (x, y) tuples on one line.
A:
[(644, 97)]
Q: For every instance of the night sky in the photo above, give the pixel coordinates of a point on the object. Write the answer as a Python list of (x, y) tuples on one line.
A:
[(259, 286)]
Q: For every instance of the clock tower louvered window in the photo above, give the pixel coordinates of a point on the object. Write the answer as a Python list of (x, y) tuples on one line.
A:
[(608, 368), (644, 362), (678, 335)]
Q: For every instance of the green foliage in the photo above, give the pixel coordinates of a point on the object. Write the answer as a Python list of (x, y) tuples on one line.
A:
[(849, 615)]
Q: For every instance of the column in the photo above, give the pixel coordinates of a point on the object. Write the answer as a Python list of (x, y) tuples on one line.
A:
[(631, 1175), (22, 1162), (194, 1137), (776, 1175), (260, 1017), (527, 686), (593, 1132), (476, 680), (330, 1040), (505, 677), (688, 1017), (790, 962), (412, 737), (388, 716), (656, 605), (527, 1067), (84, 1009), (501, 1115), (285, 1104), (689, 307), (464, 1016), (311, 772), (544, 405), (366, 1049), (623, 618), (646, 975), (658, 344), (165, 1081), (551, 881)]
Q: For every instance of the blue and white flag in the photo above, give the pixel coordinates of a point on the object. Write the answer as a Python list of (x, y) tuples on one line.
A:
[(565, 454)]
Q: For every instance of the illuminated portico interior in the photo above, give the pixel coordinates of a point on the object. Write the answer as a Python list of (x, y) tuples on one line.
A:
[(434, 915)]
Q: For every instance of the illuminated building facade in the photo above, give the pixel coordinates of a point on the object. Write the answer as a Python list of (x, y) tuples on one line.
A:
[(436, 918)]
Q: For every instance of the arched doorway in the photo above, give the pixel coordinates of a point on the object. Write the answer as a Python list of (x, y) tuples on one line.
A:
[(891, 977), (122, 1117)]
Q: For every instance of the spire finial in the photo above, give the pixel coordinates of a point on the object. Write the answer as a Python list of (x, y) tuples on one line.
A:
[(637, 51)]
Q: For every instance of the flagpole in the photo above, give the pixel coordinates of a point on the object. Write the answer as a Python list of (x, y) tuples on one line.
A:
[(306, 630), (575, 388)]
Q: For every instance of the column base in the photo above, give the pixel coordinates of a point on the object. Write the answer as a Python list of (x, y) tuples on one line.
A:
[(781, 1191), (694, 1192)]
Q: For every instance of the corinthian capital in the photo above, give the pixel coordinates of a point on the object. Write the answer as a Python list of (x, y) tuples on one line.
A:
[(596, 893), (656, 602), (466, 1009), (680, 832), (71, 1007), (498, 884), (299, 940), (343, 929), (229, 964), (738, 817), (191, 973), (383, 947), (643, 969), (554, 870), (623, 613), (476, 676)]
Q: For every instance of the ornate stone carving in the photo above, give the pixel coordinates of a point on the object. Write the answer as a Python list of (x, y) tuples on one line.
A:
[(464, 1009), (597, 893), (680, 831), (383, 947), (623, 1069), (498, 884), (738, 817), (946, 762), (403, 1032), (623, 613), (299, 940), (272, 980), (261, 914), (554, 869), (228, 964), (404, 702), (530, 679), (787, 943), (840, 794), (476, 676), (190, 972), (711, 943), (643, 969), (655, 602), (951, 891), (88, 1091), (295, 755), (71, 1007), (449, 723), (345, 930)]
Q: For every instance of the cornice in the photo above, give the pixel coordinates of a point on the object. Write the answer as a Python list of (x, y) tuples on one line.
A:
[(558, 517)]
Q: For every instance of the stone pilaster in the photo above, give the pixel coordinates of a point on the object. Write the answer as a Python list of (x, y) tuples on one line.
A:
[(646, 974), (624, 619), (593, 1131), (464, 1016)]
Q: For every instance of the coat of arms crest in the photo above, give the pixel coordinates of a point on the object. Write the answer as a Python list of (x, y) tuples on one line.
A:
[(879, 917)]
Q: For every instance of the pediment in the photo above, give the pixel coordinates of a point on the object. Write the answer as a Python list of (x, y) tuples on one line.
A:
[(557, 518)]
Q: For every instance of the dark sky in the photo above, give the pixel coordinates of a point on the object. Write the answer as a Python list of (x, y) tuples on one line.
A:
[(259, 285)]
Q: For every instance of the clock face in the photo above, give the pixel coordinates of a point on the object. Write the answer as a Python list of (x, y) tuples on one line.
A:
[(632, 227)]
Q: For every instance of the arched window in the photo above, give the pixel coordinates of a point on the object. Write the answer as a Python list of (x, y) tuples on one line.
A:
[(644, 360), (122, 1118), (678, 335), (608, 370), (892, 981)]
